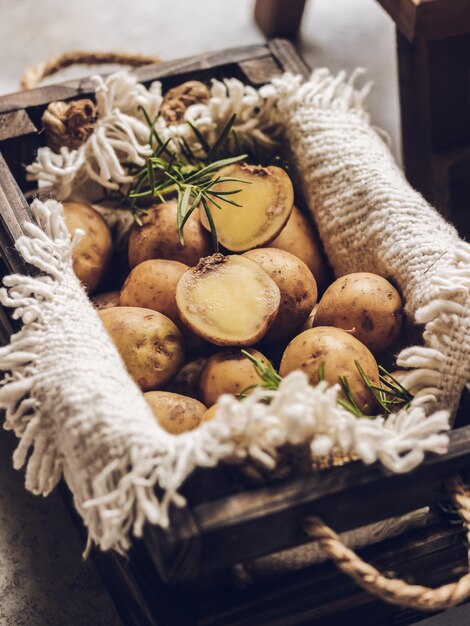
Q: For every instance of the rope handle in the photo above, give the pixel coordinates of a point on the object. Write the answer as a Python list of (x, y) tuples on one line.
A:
[(397, 591), (33, 76)]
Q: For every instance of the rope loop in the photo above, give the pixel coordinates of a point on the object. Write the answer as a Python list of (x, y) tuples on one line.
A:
[(33, 76), (395, 590)]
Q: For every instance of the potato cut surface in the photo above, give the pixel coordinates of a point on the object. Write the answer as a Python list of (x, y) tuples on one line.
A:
[(229, 300), (265, 200)]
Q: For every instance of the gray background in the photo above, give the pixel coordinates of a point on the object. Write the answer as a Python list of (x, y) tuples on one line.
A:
[(43, 580)]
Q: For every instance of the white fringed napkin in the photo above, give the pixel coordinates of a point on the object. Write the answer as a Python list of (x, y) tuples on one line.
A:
[(66, 392)]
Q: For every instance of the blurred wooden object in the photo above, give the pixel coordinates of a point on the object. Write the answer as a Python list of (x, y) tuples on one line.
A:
[(279, 18), (433, 47)]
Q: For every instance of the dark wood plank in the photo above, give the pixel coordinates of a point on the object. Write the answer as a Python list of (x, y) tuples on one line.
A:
[(257, 70), (84, 88), (320, 595), (287, 56), (233, 529), (15, 124), (434, 98), (14, 212), (429, 19)]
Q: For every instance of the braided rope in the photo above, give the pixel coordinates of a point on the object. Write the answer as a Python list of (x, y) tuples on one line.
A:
[(397, 591), (33, 76)]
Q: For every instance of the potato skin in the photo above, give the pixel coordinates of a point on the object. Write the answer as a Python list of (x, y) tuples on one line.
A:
[(300, 239), (157, 238), (365, 304), (297, 286), (338, 350), (149, 343), (186, 381), (228, 372), (152, 285), (210, 413), (106, 300), (92, 254), (175, 413)]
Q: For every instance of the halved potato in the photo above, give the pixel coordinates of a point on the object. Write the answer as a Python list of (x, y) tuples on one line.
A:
[(229, 300), (266, 200)]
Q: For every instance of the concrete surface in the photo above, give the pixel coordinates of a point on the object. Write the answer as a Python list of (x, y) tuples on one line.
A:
[(43, 580)]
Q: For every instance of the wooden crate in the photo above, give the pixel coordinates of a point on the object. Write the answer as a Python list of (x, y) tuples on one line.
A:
[(185, 575)]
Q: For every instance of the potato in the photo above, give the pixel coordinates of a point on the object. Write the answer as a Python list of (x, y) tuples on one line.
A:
[(337, 350), (265, 200), (210, 413), (229, 300), (297, 286), (367, 306), (310, 321), (174, 412), (149, 343), (92, 254), (228, 372), (152, 285), (157, 238), (300, 239), (106, 300), (186, 381)]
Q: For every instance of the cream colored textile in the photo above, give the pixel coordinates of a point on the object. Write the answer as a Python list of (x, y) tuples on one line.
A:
[(66, 393)]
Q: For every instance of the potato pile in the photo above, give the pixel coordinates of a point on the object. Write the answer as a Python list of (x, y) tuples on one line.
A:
[(183, 315)]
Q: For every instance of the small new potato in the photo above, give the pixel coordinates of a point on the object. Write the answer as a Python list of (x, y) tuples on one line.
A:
[(300, 239), (92, 254), (228, 300), (186, 381), (297, 286), (149, 343), (157, 238), (264, 202), (228, 372), (338, 351), (367, 306), (152, 285), (175, 413), (106, 300), (210, 413)]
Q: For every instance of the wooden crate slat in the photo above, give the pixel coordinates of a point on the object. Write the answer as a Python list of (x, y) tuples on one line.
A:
[(321, 595), (84, 87), (14, 212), (15, 124), (233, 528)]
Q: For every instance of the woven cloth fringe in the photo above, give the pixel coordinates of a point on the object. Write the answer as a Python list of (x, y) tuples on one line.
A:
[(77, 412)]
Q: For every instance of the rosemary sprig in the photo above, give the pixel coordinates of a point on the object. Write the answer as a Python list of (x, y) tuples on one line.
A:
[(270, 379), (391, 397), (191, 177)]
